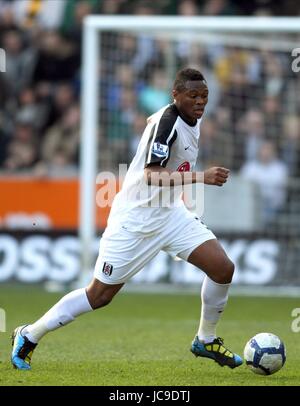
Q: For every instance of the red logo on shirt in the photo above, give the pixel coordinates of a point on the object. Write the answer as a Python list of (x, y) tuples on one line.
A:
[(185, 167)]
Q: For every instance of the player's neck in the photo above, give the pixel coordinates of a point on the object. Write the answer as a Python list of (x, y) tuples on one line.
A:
[(190, 121)]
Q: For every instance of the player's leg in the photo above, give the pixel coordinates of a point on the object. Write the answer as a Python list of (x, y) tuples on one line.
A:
[(72, 305), (100, 294), (212, 259), (121, 255), (192, 241)]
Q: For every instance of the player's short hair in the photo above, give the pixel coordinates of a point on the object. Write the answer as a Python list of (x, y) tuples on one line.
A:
[(186, 75)]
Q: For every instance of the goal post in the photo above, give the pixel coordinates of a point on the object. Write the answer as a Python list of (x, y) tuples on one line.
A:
[(91, 119)]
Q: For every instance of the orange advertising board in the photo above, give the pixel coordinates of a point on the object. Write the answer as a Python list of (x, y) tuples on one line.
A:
[(42, 203)]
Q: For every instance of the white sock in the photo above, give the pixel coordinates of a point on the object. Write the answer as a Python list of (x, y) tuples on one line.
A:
[(62, 313), (214, 298)]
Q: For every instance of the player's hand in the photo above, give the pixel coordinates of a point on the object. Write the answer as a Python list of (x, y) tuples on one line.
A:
[(216, 176)]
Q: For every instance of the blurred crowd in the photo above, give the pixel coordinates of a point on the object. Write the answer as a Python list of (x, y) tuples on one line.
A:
[(252, 120)]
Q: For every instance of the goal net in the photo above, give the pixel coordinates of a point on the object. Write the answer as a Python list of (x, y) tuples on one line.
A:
[(251, 126)]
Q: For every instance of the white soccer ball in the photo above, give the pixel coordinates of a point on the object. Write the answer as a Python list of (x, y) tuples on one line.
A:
[(265, 354)]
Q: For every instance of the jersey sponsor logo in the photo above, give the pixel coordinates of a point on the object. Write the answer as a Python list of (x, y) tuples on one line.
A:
[(107, 269), (185, 167), (160, 150)]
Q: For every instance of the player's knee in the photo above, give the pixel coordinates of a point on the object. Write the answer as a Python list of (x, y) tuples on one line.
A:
[(101, 301), (226, 272)]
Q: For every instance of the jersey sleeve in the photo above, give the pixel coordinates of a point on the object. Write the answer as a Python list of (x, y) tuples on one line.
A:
[(162, 136)]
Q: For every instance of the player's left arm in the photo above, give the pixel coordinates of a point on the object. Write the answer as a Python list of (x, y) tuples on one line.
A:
[(158, 176)]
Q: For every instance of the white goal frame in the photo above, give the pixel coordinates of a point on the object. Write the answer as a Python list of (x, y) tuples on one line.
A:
[(90, 103)]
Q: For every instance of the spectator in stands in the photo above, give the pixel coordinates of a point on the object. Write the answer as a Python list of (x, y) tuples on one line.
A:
[(155, 94), (57, 59), (207, 153), (18, 62), (118, 49), (273, 114), (120, 127), (22, 150), (44, 98), (5, 5), (4, 92), (139, 122), (145, 46), (122, 79), (290, 144), (58, 165), (4, 140), (251, 128), (187, 8), (73, 10), (271, 175), (63, 137), (7, 20), (215, 148), (219, 7), (30, 110), (236, 93), (47, 14), (272, 75), (74, 27), (62, 97)]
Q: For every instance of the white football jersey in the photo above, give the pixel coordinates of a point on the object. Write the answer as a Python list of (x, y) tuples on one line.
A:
[(167, 141)]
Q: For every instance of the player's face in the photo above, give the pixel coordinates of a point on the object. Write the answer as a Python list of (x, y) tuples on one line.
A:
[(191, 102)]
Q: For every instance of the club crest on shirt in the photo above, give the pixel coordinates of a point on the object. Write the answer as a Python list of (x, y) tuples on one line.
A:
[(160, 150), (107, 269), (185, 167)]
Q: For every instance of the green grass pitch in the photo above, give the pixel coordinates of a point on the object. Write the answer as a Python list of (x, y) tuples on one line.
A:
[(144, 339)]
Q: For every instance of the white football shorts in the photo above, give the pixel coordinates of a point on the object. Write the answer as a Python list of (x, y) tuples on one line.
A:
[(123, 253)]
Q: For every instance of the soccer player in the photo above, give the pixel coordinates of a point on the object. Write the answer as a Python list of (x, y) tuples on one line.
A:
[(142, 222)]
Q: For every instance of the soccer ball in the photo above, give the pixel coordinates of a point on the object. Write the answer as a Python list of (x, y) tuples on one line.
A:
[(265, 354)]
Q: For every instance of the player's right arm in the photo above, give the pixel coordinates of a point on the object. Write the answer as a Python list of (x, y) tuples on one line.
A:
[(158, 176)]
